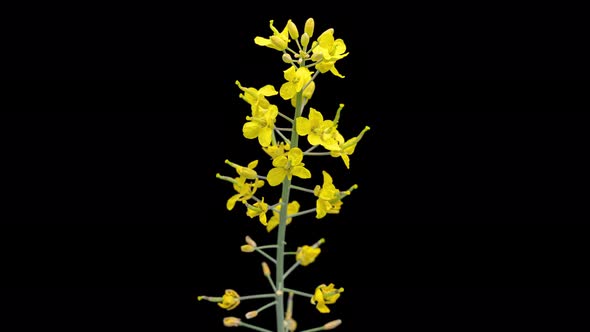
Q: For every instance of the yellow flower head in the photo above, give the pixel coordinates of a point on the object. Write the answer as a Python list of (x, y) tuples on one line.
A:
[(328, 197), (247, 172), (325, 295), (275, 150), (292, 208), (245, 191), (327, 51), (261, 125), (277, 41), (257, 98), (297, 78), (347, 148), (307, 254), (229, 300), (259, 210), (318, 131), (287, 166)]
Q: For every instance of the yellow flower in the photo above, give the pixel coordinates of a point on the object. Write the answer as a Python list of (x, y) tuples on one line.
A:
[(229, 300), (324, 207), (307, 254), (261, 125), (273, 222), (325, 295), (259, 210), (318, 131), (245, 191), (247, 172), (257, 98), (278, 40), (347, 148), (276, 150), (287, 166), (327, 51), (328, 197), (296, 78)]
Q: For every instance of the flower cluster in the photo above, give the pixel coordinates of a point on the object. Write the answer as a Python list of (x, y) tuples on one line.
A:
[(306, 133)]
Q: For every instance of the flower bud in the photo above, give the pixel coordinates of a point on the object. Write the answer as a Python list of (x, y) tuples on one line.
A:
[(287, 58), (231, 321), (304, 39), (309, 25), (292, 30), (279, 43), (251, 314), (333, 324), (247, 248), (317, 57), (265, 269), (250, 241), (290, 324)]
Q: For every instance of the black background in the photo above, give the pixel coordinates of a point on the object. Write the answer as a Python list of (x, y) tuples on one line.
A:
[(471, 208)]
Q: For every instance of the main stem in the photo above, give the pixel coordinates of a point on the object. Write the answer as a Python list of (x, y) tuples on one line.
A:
[(282, 228)]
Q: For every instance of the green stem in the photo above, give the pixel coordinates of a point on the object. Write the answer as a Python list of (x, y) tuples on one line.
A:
[(257, 296), (294, 291), (282, 228), (253, 327), (302, 189), (265, 255), (272, 284), (268, 305), (291, 269), (302, 213)]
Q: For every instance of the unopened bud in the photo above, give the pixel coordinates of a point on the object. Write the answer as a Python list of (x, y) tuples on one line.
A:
[(333, 324), (287, 58), (304, 39), (247, 248), (279, 43), (231, 321), (292, 29), (309, 25), (317, 57), (290, 324), (251, 314), (250, 241), (265, 269)]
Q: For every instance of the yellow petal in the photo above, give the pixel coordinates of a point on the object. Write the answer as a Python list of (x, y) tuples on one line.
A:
[(295, 156), (301, 172), (262, 41), (288, 90), (265, 136), (275, 176), (250, 130), (303, 126)]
